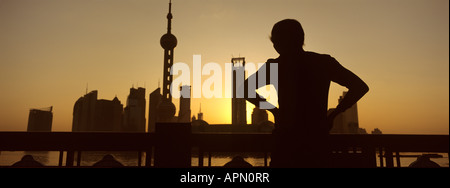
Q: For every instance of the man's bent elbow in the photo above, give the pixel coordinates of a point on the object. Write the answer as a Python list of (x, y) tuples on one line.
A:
[(363, 89), (360, 89)]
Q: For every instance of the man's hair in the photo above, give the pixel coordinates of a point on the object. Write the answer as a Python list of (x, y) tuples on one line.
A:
[(288, 32)]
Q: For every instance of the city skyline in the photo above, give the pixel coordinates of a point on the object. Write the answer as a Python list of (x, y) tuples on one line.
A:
[(112, 45)]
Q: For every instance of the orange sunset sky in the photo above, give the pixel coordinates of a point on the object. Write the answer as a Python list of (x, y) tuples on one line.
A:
[(51, 49)]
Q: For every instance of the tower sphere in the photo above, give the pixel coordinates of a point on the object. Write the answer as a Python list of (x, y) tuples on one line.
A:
[(168, 41), (166, 110)]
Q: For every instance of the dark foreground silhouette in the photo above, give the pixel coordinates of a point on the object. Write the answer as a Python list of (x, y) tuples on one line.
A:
[(238, 162), (28, 161), (424, 161), (108, 161), (301, 122)]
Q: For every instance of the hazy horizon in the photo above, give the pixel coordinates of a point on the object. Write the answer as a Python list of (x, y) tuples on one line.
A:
[(51, 49)]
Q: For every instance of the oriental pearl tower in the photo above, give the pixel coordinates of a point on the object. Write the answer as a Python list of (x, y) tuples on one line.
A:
[(166, 109)]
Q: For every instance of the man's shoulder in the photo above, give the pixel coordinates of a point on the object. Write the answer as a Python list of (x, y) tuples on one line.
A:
[(323, 59), (318, 55), (310, 56), (272, 60)]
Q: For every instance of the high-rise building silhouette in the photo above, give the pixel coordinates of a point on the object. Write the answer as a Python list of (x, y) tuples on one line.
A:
[(154, 100), (40, 120), (134, 113), (84, 112), (109, 115), (184, 115), (199, 122), (200, 113), (346, 122), (91, 114), (238, 103), (166, 109)]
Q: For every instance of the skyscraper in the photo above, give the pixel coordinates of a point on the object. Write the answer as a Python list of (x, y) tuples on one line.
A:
[(346, 122), (238, 103), (200, 113), (90, 114), (134, 113), (108, 116), (351, 115), (184, 115), (84, 112), (154, 100), (40, 120)]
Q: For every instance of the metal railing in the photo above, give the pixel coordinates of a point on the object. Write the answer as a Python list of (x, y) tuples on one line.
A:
[(361, 150)]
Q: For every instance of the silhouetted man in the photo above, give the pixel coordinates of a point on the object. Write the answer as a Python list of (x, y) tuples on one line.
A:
[(301, 122)]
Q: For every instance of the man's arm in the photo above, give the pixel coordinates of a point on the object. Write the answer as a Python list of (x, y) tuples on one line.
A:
[(254, 100), (356, 89), (257, 99)]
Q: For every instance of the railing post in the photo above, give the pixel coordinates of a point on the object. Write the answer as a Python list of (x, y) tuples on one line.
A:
[(70, 158), (173, 147), (397, 157), (389, 158), (148, 158), (200, 157), (78, 158), (371, 154), (380, 149), (265, 159), (209, 159), (60, 160), (139, 158)]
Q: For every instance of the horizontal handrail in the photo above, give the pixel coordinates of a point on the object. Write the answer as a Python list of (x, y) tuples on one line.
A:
[(214, 142), (109, 141)]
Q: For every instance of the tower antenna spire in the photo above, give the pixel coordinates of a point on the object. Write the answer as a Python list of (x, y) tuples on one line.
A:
[(169, 18)]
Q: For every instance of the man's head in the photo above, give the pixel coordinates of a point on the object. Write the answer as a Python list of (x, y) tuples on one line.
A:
[(288, 37)]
